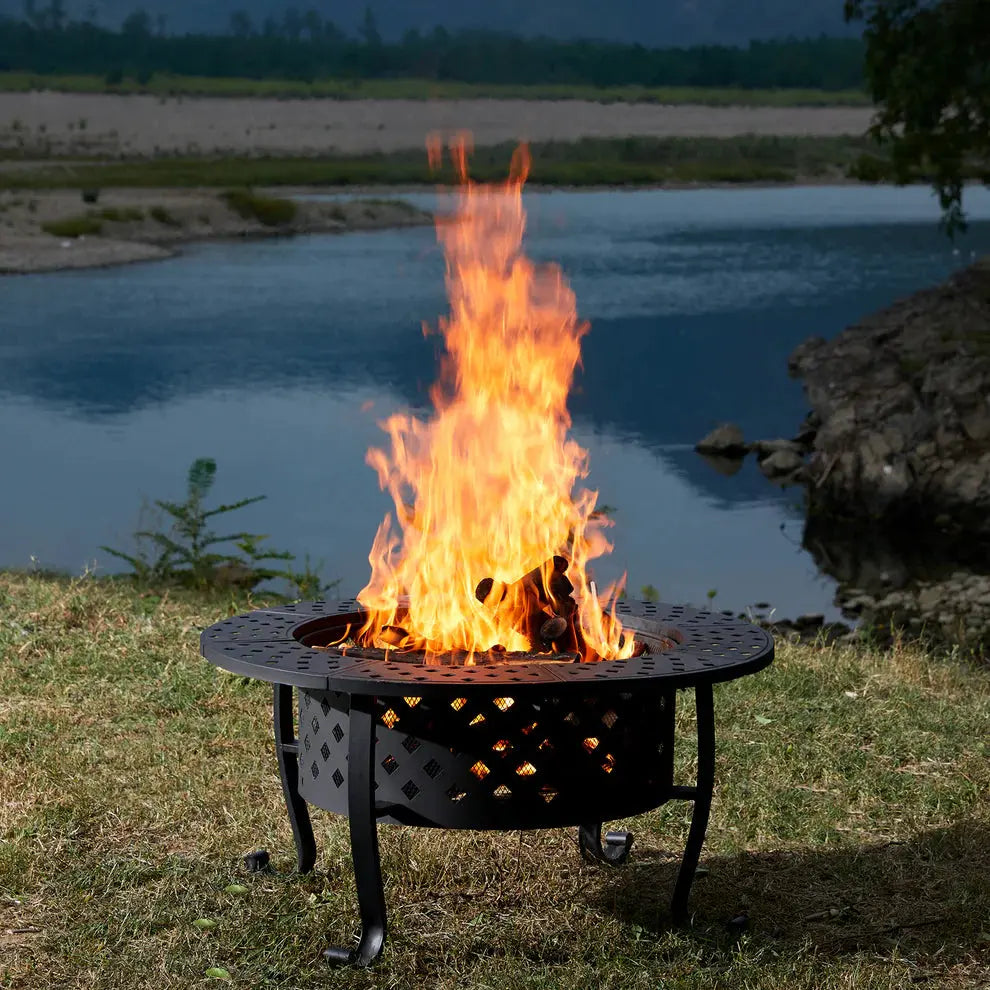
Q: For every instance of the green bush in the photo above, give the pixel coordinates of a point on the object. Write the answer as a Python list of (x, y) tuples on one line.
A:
[(186, 554), (117, 214), (161, 215), (268, 210), (73, 226)]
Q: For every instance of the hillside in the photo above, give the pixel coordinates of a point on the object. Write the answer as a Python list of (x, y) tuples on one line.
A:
[(661, 24)]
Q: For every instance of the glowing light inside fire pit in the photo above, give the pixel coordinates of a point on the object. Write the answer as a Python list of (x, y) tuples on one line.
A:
[(487, 519)]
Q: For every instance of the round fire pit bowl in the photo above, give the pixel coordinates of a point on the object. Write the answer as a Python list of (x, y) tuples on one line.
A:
[(515, 745)]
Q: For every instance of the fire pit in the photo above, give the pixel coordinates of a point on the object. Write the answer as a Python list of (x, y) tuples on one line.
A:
[(485, 745)]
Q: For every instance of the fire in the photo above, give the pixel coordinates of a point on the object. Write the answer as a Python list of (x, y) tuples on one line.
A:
[(490, 544)]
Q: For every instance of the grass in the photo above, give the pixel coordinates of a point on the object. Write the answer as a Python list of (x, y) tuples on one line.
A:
[(117, 214), (268, 210), (592, 161), (425, 89), (80, 226), (161, 215), (851, 820)]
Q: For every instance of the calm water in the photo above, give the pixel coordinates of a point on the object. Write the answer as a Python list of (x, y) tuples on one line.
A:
[(278, 358)]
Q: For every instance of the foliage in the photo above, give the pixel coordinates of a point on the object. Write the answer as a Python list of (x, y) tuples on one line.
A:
[(120, 214), (162, 216), (308, 47), (928, 70), (186, 555), (168, 85), (73, 226), (268, 210), (592, 161)]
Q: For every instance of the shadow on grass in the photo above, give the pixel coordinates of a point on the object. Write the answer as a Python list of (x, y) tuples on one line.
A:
[(929, 895)]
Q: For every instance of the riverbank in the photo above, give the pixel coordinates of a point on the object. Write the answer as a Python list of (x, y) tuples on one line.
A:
[(112, 125), (633, 162), (166, 85), (894, 458), (849, 836), (50, 230)]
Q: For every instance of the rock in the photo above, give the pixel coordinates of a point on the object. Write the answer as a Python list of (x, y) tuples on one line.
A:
[(783, 465), (901, 402), (764, 448), (726, 440)]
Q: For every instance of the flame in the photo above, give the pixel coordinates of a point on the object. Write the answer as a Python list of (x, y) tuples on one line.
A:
[(483, 489)]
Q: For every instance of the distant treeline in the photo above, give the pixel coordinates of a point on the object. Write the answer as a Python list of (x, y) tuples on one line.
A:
[(304, 45)]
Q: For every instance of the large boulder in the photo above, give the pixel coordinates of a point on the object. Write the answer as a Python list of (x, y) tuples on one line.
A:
[(902, 406)]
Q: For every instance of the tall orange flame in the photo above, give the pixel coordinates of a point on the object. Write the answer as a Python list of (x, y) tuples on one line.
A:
[(483, 489)]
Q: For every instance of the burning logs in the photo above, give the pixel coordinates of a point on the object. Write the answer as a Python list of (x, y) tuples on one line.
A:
[(542, 607)]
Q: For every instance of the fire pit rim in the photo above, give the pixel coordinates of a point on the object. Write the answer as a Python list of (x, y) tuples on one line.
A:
[(263, 644)]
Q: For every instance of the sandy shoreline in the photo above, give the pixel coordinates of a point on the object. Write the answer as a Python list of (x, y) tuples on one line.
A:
[(109, 125), (150, 224)]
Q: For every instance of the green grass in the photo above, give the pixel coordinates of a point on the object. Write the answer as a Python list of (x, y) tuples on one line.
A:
[(851, 820), (80, 226), (268, 210), (589, 162), (117, 214), (425, 89), (161, 215)]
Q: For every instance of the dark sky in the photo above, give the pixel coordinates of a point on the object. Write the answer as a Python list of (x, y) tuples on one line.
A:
[(655, 23)]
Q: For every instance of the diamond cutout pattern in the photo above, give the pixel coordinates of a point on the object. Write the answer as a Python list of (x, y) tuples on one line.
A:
[(571, 752)]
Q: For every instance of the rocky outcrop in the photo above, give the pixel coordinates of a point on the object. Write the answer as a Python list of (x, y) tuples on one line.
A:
[(901, 411), (726, 440)]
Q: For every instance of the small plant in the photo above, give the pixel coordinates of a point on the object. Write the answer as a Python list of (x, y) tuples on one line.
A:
[(649, 593), (188, 553), (268, 210), (120, 214), (73, 226), (162, 216)]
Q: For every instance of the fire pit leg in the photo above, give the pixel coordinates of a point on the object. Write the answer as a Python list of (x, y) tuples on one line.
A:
[(702, 795), (287, 750), (613, 852), (364, 838)]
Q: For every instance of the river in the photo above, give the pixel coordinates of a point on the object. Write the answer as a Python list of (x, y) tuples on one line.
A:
[(278, 358)]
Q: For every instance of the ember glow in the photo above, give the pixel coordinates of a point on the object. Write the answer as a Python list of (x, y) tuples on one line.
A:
[(490, 542)]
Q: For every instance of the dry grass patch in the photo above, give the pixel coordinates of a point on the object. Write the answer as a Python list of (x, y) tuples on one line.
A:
[(851, 823)]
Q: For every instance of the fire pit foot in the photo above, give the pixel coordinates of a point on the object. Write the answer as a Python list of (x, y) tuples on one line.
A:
[(701, 794), (287, 750), (364, 839), (613, 851), (368, 950)]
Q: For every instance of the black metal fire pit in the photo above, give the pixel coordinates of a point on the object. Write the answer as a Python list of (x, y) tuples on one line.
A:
[(493, 746)]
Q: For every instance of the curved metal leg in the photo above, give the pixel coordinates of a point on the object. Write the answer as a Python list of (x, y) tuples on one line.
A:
[(364, 839), (702, 801), (613, 852), (287, 750)]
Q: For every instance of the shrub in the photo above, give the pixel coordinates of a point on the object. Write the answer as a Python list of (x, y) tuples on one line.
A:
[(267, 210), (187, 553), (161, 215), (73, 226), (121, 214)]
